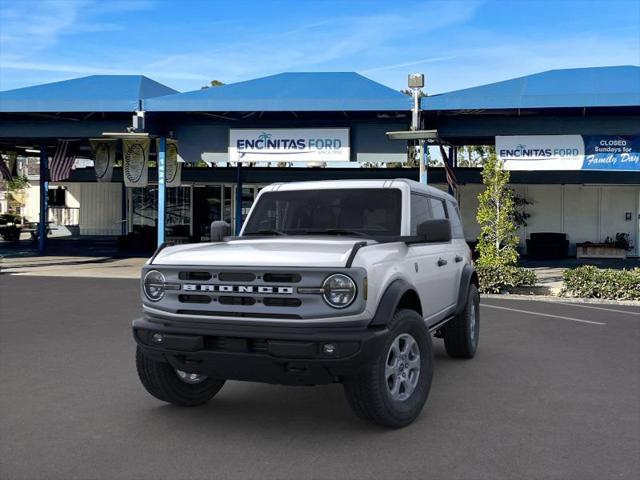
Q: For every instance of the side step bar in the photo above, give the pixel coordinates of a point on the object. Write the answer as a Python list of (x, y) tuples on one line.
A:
[(440, 324)]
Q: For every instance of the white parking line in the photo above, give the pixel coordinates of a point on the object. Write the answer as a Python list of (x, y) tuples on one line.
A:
[(543, 314), (596, 308)]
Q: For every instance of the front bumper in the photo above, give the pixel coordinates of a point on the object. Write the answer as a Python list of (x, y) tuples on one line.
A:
[(282, 355)]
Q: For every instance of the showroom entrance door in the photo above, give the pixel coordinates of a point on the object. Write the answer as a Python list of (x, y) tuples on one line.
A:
[(249, 194), (218, 202), (210, 202)]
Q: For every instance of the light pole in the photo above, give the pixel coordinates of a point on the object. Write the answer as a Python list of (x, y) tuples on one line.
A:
[(416, 83)]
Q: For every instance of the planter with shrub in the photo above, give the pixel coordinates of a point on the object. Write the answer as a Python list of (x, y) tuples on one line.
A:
[(592, 282), (617, 247), (497, 278)]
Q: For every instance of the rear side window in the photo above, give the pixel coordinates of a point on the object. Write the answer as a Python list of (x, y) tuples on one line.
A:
[(438, 209), (420, 211), (456, 224)]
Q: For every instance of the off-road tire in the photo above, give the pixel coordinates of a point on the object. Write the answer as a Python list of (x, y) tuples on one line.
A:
[(368, 394), (161, 380), (460, 338)]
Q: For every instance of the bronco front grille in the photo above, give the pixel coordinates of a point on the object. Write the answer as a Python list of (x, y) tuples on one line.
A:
[(243, 292)]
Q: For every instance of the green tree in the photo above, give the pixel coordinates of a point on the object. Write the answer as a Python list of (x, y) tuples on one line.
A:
[(497, 241), (213, 83), (474, 155)]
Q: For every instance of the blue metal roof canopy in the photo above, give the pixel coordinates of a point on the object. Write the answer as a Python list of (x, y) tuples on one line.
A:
[(288, 92), (617, 86), (96, 93)]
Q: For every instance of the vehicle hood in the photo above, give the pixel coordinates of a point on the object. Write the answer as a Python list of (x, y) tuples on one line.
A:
[(268, 252)]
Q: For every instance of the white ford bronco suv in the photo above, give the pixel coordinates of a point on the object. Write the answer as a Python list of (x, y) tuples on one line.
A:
[(332, 281)]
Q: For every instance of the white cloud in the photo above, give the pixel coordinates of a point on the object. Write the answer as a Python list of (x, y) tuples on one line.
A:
[(408, 64), (88, 70), (31, 27), (436, 37), (499, 57), (314, 46)]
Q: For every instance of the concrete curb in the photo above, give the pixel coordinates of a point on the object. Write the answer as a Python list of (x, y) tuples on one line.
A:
[(556, 299)]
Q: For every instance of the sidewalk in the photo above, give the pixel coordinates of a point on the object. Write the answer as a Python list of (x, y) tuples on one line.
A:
[(67, 266), (549, 278), (549, 281)]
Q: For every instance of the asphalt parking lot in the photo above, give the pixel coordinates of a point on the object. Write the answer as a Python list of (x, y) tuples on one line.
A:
[(554, 392)]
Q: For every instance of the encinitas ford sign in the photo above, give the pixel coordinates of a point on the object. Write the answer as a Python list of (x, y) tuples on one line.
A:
[(541, 152), (289, 145), (569, 152)]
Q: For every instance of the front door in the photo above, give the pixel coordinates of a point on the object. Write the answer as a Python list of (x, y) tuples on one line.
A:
[(434, 267)]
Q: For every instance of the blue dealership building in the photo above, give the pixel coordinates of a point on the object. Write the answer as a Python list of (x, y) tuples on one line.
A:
[(231, 141)]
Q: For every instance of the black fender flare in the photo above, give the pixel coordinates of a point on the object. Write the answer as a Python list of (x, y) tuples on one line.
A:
[(389, 302), (468, 277)]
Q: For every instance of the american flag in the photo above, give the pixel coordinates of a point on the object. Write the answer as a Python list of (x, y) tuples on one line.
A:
[(448, 169), (4, 170), (62, 160)]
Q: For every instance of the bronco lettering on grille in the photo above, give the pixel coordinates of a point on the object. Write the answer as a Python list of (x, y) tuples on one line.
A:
[(192, 287)]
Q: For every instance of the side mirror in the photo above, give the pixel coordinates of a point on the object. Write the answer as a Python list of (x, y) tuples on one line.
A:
[(435, 231)]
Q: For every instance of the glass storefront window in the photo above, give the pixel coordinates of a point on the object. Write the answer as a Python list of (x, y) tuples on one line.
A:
[(144, 207), (178, 219), (144, 210), (228, 207), (248, 196), (186, 221)]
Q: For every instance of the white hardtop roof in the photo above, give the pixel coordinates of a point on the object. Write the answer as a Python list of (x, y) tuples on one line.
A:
[(336, 184)]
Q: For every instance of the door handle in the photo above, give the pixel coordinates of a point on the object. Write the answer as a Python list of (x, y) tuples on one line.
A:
[(458, 258), (442, 262)]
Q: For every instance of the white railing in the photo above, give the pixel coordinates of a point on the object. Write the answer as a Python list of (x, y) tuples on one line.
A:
[(64, 215)]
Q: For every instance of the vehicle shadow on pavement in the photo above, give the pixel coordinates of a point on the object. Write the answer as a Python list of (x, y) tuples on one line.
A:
[(278, 410)]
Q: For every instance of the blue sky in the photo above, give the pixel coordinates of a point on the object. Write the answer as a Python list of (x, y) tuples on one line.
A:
[(184, 44)]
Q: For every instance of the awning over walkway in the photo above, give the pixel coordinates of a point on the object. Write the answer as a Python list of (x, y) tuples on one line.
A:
[(96, 93), (289, 92), (570, 88)]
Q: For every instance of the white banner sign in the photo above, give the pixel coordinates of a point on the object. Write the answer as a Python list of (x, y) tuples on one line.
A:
[(289, 145), (136, 162), (104, 157), (541, 152), (173, 166)]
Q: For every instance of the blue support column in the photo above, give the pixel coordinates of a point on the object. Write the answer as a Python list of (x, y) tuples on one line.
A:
[(162, 190), (44, 199), (424, 163), (123, 209), (238, 198)]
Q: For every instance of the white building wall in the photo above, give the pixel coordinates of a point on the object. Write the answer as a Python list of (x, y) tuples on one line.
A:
[(586, 213), (32, 202), (468, 205), (546, 210), (615, 203), (73, 195), (581, 215), (100, 208)]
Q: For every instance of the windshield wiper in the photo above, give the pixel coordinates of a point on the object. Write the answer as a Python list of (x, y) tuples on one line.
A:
[(266, 232), (338, 231)]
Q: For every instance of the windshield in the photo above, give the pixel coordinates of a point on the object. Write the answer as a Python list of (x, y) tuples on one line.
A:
[(366, 212)]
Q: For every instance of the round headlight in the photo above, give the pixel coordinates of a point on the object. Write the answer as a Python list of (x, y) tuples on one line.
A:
[(339, 290), (154, 285)]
